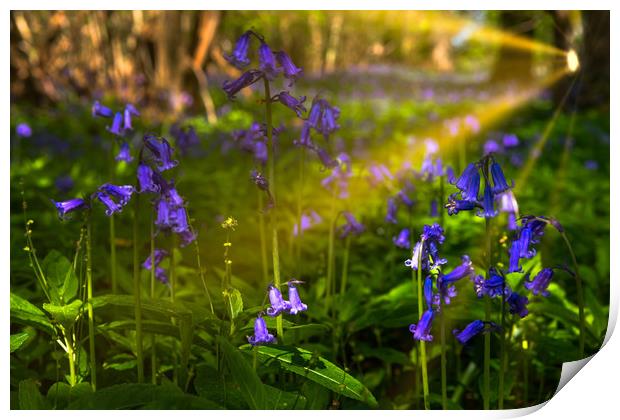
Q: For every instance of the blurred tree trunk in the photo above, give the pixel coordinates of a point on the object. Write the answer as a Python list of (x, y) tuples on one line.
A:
[(335, 29), (514, 64), (562, 33), (316, 35), (595, 76), (209, 21)]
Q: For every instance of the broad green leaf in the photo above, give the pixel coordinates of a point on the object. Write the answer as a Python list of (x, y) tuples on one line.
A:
[(209, 383), (128, 396), (58, 394), (317, 369), (234, 302), (66, 315), (61, 279), (252, 388), (19, 339), (25, 313), (29, 396), (278, 399)]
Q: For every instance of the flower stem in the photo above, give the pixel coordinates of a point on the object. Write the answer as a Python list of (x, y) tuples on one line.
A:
[(71, 356), (300, 196), (137, 291), (173, 280), (345, 265), (502, 350), (487, 318), (113, 255), (153, 336), (91, 317), (580, 299), (263, 238), (330, 253), (272, 185), (444, 393), (422, 342)]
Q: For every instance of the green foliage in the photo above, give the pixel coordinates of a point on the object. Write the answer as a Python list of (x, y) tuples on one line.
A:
[(61, 279)]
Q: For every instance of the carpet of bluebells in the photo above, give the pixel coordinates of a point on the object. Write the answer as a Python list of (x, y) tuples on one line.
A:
[(316, 248)]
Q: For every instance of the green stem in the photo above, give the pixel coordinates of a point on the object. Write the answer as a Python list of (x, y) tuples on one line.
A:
[(487, 318), (300, 195), (91, 317), (202, 276), (153, 336), (444, 393), (345, 265), (71, 356), (272, 185), (137, 291), (173, 281), (425, 391), (580, 299), (330, 253), (502, 351), (113, 255), (263, 238)]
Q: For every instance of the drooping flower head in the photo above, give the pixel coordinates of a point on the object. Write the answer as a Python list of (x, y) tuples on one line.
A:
[(111, 206), (146, 179), (246, 79), (540, 283), (427, 249), (278, 304), (261, 334), (124, 153), (517, 304), (297, 105), (402, 240), (260, 181), (239, 57), (473, 329), (291, 71), (296, 305), (422, 331), (352, 226), (267, 62), (494, 285), (122, 193), (99, 110), (69, 206), (117, 125), (161, 151)]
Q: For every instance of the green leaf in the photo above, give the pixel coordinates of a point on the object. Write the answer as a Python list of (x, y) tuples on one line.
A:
[(252, 388), (278, 399), (66, 315), (19, 339), (25, 313), (61, 279), (127, 396), (234, 302), (29, 396), (317, 369)]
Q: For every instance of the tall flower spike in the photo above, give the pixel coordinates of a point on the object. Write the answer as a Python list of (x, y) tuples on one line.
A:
[(124, 153), (261, 334), (291, 71), (296, 305), (540, 283), (69, 206), (117, 125), (422, 331), (267, 62), (246, 79), (239, 57), (278, 304)]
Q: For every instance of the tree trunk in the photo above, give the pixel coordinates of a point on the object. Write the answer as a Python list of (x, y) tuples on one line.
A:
[(514, 64), (593, 88)]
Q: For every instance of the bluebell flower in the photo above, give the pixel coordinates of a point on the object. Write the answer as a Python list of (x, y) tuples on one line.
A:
[(117, 125), (172, 195), (278, 304), (111, 206), (293, 103), (508, 204), (69, 206), (127, 113), (178, 216), (432, 236), (404, 198), (434, 211), (513, 262), (540, 283), (340, 175), (99, 110), (494, 285), (306, 222), (325, 158), (239, 57), (465, 180), (450, 175), (499, 181), (428, 291), (422, 331), (352, 226), (473, 329), (415, 257), (260, 181), (158, 255), (510, 140), (267, 62), (187, 237), (163, 219), (162, 152), (390, 217), (490, 147), (23, 130), (454, 205), (261, 334), (314, 117), (328, 119), (121, 192), (64, 183), (433, 233), (146, 179), (517, 304), (461, 271), (291, 71), (379, 174), (124, 153), (402, 240), (246, 79), (488, 202), (296, 305), (304, 138)]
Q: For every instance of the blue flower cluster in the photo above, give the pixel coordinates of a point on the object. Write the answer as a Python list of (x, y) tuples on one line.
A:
[(278, 306)]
